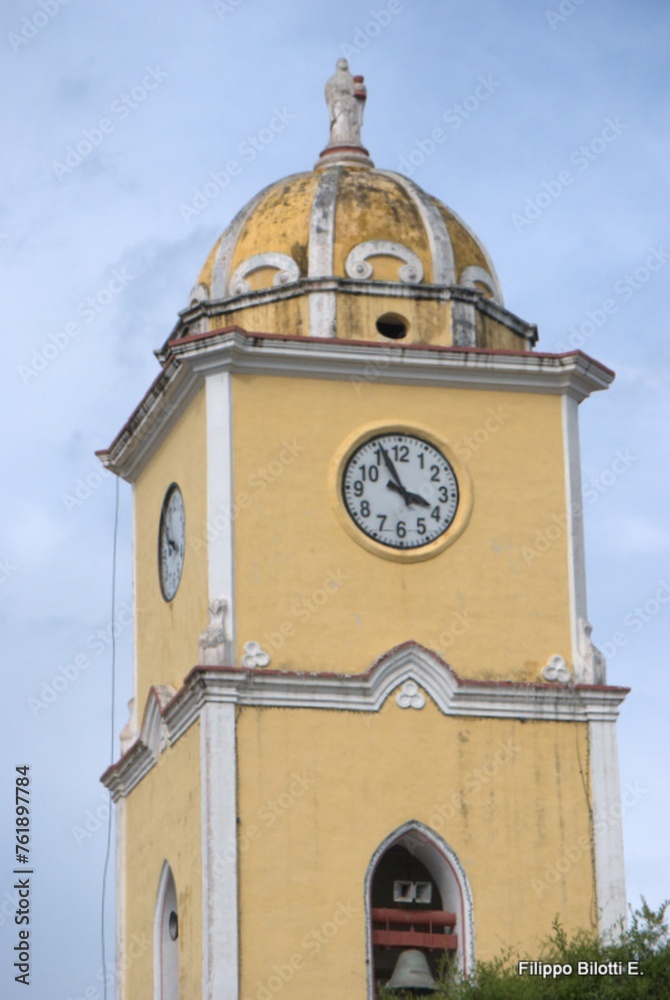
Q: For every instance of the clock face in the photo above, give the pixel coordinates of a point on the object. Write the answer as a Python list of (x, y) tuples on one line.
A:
[(171, 542), (400, 490)]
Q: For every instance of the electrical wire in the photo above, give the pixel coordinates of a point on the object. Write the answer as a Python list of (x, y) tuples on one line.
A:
[(112, 739)]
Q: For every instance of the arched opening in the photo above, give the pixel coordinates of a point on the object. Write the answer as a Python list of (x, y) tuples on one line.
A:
[(418, 898), (166, 938)]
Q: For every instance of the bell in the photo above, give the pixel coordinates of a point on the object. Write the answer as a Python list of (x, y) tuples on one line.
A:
[(411, 972)]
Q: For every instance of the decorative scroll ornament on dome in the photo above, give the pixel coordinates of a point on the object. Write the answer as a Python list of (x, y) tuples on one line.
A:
[(357, 264), (287, 271), (345, 97)]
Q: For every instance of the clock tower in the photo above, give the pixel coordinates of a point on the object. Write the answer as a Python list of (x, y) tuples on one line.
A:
[(369, 725)]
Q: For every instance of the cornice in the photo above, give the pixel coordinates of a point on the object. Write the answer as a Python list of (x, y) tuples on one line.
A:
[(366, 692), (145, 752), (190, 359)]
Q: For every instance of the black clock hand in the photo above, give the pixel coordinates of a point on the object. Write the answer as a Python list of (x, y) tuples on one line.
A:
[(398, 489), (415, 498), (168, 533), (408, 497), (392, 469)]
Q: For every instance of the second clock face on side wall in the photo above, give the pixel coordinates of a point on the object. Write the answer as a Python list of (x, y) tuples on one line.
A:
[(171, 542), (400, 490)]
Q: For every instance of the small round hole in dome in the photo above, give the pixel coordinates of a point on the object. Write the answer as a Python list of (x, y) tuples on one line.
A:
[(392, 326)]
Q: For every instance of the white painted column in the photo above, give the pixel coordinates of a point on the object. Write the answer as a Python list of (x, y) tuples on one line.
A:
[(220, 949), (575, 522), (439, 240), (607, 826), (323, 305), (220, 497), (120, 866)]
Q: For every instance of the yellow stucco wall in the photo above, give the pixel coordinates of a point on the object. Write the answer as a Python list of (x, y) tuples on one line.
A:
[(497, 336), (487, 608), (426, 321), (167, 632), (289, 317), (319, 791), (357, 315), (163, 824)]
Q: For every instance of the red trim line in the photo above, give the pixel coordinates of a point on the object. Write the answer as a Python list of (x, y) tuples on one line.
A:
[(344, 149), (461, 681), (340, 342), (198, 671)]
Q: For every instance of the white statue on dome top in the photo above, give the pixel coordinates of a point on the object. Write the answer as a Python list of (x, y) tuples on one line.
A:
[(345, 97)]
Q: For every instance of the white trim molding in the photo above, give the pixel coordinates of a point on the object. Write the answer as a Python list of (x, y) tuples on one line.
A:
[(574, 506), (218, 776), (607, 825), (220, 496), (232, 350), (143, 754), (120, 901), (323, 304), (439, 240), (367, 692)]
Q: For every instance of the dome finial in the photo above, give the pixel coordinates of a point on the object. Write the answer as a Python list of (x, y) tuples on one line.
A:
[(345, 97)]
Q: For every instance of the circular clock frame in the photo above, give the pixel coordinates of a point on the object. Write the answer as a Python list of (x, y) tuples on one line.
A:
[(364, 436), (169, 580)]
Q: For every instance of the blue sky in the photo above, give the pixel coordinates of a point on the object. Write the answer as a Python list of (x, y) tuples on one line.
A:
[(554, 152)]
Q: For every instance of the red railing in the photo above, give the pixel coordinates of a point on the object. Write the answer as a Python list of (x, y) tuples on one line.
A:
[(413, 928)]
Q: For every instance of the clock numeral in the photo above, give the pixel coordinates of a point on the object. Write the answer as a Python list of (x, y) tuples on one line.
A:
[(365, 509), (421, 462), (443, 494), (401, 529), (382, 521), (435, 513), (372, 473), (400, 452), (435, 478), (358, 488), (421, 525)]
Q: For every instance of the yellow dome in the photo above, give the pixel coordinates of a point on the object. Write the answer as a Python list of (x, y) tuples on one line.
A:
[(353, 252)]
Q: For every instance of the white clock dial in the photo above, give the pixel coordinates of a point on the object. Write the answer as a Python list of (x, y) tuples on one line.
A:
[(171, 542), (400, 490)]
